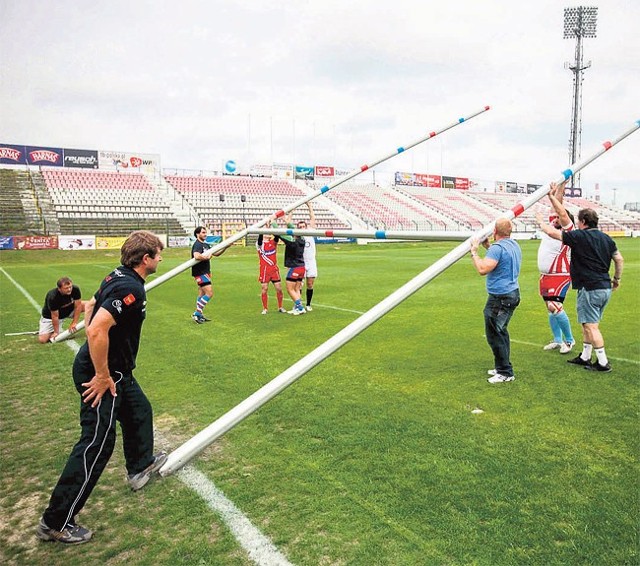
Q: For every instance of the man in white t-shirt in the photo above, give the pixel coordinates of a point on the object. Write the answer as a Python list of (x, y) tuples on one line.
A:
[(310, 265), (554, 258)]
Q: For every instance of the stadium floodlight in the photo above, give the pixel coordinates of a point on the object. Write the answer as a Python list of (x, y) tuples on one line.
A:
[(192, 447), (433, 235), (279, 214), (579, 22)]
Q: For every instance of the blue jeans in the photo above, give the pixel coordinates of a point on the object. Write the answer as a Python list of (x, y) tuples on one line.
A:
[(497, 314)]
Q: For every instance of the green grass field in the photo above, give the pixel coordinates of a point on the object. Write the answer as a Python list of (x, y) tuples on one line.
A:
[(372, 458)]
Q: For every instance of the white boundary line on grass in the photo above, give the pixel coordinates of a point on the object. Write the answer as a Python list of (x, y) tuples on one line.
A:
[(259, 548)]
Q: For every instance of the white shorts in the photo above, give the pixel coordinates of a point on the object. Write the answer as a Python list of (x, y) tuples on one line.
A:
[(311, 269), (46, 326)]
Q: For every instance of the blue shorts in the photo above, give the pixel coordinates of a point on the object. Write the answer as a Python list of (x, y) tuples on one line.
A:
[(203, 280), (591, 304)]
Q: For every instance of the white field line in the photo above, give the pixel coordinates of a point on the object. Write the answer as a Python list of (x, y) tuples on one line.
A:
[(259, 548)]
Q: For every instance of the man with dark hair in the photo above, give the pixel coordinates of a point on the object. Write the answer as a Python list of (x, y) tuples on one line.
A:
[(502, 268), (592, 252), (294, 260), (102, 374), (201, 272), (60, 303)]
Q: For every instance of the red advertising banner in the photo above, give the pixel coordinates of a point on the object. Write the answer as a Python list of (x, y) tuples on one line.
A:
[(428, 180), (324, 171), (462, 183), (35, 242)]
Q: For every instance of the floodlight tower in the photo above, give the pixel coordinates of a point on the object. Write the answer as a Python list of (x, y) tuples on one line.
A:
[(579, 22)]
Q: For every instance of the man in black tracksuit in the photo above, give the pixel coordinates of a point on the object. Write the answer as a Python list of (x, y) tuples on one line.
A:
[(102, 374)]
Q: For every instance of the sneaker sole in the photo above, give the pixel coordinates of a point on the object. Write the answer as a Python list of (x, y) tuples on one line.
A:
[(50, 538)]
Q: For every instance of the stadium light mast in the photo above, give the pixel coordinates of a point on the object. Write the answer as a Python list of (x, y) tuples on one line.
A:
[(579, 22)]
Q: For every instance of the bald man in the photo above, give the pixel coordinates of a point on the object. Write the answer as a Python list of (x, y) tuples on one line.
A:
[(501, 265)]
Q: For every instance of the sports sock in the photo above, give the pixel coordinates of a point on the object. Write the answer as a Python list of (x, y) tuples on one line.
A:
[(298, 304), (565, 326), (279, 295), (601, 356), (309, 296), (586, 352), (201, 303), (555, 328), (265, 300)]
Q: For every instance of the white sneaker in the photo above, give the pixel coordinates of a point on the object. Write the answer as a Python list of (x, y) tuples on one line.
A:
[(566, 347), (492, 372), (499, 378), (296, 312), (308, 307), (282, 309), (552, 346), (264, 311)]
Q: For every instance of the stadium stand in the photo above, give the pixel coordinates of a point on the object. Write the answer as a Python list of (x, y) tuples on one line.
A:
[(22, 207), (219, 200), (106, 202), (80, 201), (388, 209)]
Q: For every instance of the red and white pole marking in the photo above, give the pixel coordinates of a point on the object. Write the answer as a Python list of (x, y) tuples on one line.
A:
[(190, 449), (239, 235)]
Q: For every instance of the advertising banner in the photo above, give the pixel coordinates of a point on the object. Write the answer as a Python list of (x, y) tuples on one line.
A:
[(324, 171), (126, 161), (109, 242), (448, 182), (402, 178), (261, 170), (575, 192), (6, 242), (13, 154), (179, 241), (531, 188), (282, 171), (481, 186), (85, 158), (77, 242), (35, 242), (304, 172), (49, 156), (462, 183), (501, 186), (511, 187)]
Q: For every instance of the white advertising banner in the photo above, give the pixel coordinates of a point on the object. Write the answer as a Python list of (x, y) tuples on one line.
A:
[(147, 163), (76, 242)]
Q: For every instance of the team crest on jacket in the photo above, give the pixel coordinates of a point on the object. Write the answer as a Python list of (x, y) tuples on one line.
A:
[(129, 299)]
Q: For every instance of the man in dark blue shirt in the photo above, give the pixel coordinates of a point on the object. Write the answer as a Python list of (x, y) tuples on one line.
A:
[(592, 252), (102, 374), (201, 272)]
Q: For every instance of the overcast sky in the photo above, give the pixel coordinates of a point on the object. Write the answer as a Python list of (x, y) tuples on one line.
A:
[(325, 82)]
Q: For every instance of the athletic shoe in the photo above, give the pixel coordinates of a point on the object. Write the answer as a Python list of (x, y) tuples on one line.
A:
[(296, 312), (492, 372), (596, 366), (264, 311), (309, 308), (499, 378), (552, 346), (71, 534), (282, 309), (198, 319), (579, 361), (566, 347), (139, 480), (204, 318)]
